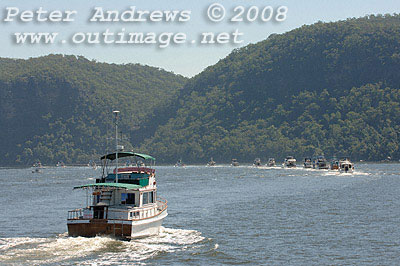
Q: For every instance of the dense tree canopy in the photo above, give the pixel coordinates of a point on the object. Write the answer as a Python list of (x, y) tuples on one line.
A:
[(58, 108), (328, 88), (331, 88)]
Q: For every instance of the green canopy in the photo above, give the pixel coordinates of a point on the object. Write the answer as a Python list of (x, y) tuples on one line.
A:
[(112, 156), (145, 156), (116, 185)]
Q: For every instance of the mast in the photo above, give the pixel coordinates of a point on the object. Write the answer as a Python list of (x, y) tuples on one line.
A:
[(116, 144)]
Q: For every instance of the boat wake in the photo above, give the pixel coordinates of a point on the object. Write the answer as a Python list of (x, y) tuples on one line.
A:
[(95, 251), (337, 173), (264, 167)]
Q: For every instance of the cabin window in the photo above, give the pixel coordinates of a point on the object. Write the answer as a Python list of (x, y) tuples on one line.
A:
[(128, 198), (148, 197), (124, 176), (145, 198), (131, 199)]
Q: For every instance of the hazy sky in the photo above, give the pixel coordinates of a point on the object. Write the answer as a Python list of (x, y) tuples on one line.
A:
[(187, 59)]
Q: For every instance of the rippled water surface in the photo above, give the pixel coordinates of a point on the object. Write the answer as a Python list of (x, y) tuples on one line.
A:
[(217, 215)]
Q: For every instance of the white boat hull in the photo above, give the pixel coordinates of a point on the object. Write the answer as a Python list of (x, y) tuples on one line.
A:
[(148, 228), (117, 228), (350, 171)]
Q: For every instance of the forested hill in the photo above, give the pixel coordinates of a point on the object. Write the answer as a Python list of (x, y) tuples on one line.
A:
[(59, 108), (329, 88)]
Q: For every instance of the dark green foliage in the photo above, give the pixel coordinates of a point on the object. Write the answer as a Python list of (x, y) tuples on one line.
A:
[(59, 108), (328, 87)]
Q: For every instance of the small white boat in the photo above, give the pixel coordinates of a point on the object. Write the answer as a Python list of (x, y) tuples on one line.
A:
[(257, 162), (211, 162), (60, 164), (345, 166), (179, 163), (271, 162), (289, 162), (307, 162), (234, 162), (38, 168), (320, 163), (92, 164), (334, 164)]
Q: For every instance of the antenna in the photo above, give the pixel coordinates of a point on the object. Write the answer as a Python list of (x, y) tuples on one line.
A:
[(116, 144)]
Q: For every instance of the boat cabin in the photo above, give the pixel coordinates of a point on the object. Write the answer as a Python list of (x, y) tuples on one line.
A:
[(346, 166), (271, 162), (119, 201), (235, 162), (290, 161), (257, 162)]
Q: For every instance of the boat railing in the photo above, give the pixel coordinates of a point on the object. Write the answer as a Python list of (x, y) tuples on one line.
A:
[(75, 214), (137, 213), (138, 169), (162, 204), (147, 213)]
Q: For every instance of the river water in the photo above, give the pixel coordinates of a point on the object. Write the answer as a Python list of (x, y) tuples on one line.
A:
[(217, 215)]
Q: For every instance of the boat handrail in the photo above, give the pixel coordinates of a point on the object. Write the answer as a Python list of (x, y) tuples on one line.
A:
[(163, 202), (161, 206), (75, 214), (135, 169), (164, 205)]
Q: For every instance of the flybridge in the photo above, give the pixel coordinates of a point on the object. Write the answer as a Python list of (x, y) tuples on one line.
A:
[(113, 156)]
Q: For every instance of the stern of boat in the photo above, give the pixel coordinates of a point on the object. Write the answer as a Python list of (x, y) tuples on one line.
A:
[(132, 223)]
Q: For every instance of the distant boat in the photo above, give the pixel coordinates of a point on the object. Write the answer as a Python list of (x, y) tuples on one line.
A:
[(335, 164), (234, 162), (38, 168), (271, 162), (345, 166), (60, 164), (211, 162), (320, 163), (92, 164), (257, 162), (307, 162), (37, 165), (179, 163), (289, 162)]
